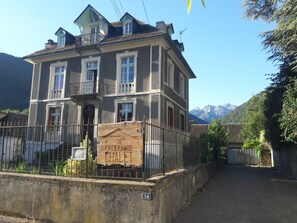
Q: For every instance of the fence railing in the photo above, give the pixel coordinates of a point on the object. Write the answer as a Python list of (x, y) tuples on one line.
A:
[(47, 150), (88, 39)]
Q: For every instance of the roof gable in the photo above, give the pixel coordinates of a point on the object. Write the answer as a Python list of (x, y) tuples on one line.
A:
[(62, 31), (127, 16), (89, 15)]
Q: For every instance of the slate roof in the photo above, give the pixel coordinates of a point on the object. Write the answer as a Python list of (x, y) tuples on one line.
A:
[(234, 129), (13, 118), (144, 31)]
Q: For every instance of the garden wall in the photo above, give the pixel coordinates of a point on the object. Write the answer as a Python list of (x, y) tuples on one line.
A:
[(60, 199)]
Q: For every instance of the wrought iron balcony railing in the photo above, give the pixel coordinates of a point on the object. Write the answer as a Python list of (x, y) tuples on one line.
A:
[(86, 88), (88, 39)]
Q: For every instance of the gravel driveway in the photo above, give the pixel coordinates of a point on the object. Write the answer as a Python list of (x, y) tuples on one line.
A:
[(243, 194)]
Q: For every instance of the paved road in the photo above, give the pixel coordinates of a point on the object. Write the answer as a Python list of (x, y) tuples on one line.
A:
[(243, 194)]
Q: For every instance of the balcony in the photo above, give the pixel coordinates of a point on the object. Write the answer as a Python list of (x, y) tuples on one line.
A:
[(56, 94), (88, 39), (84, 90), (126, 88)]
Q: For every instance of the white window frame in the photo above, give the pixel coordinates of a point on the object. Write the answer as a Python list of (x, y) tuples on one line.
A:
[(48, 106), (84, 62), (119, 58), (84, 71), (170, 73), (170, 105), (51, 85), (61, 40), (182, 85), (127, 26), (122, 101)]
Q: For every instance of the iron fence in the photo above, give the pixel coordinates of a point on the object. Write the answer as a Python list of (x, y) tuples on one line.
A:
[(42, 149)]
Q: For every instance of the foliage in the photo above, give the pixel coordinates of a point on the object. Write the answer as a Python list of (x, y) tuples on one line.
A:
[(255, 119), (254, 144), (21, 167), (240, 114), (236, 116), (23, 112), (274, 103), (78, 167), (280, 42), (58, 167), (217, 137), (288, 117), (34, 170)]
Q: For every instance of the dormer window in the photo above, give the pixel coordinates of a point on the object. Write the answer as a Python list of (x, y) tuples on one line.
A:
[(127, 27), (61, 34), (61, 41)]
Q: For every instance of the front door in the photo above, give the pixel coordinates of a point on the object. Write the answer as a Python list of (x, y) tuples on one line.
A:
[(88, 121)]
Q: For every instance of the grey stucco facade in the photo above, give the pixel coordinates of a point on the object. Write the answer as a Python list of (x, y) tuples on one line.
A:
[(152, 92)]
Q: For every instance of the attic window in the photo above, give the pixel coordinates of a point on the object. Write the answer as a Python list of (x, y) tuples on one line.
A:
[(61, 40), (127, 27)]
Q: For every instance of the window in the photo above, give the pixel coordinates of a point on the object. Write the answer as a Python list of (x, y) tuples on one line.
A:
[(128, 27), (61, 40), (182, 86), (182, 121), (170, 117), (90, 76), (54, 118), (126, 72), (125, 112), (170, 73), (95, 35), (56, 89)]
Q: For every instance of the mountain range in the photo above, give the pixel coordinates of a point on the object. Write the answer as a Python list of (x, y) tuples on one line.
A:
[(15, 86), (210, 112)]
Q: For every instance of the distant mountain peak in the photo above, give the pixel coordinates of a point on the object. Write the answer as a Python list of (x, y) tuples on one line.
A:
[(211, 111)]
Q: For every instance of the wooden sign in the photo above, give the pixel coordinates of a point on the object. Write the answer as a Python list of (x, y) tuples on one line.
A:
[(120, 144)]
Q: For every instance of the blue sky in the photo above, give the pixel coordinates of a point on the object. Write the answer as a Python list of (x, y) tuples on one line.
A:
[(223, 49)]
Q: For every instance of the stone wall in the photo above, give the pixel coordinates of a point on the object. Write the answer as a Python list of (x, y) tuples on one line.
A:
[(59, 199)]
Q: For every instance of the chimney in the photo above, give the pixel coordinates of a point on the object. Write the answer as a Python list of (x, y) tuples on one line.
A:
[(49, 44), (162, 26), (168, 28), (179, 45)]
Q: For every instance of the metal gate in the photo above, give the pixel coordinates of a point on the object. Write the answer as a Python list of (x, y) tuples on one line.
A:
[(243, 156)]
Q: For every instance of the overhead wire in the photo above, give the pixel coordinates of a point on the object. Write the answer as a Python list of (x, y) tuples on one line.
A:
[(145, 12), (122, 6), (116, 8)]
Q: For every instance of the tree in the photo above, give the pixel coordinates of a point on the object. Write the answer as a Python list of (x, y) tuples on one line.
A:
[(288, 118), (255, 119), (274, 103), (217, 137), (280, 42), (253, 130)]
